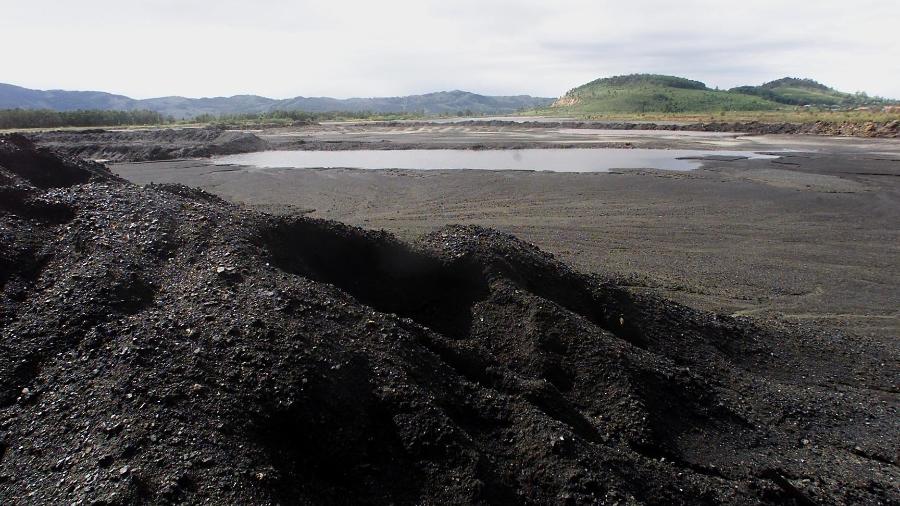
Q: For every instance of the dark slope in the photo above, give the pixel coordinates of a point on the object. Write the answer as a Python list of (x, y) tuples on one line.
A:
[(149, 144), (164, 346), (444, 102)]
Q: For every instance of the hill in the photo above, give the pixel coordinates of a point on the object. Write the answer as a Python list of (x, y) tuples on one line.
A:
[(648, 93), (445, 102), (13, 97), (796, 91), (639, 93), (182, 107)]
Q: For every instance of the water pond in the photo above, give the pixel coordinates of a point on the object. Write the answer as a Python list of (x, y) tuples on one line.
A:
[(558, 160)]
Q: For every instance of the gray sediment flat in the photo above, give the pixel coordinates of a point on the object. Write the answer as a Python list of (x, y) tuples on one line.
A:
[(809, 237)]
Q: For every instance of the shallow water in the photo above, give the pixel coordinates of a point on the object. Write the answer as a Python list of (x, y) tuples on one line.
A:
[(662, 134), (477, 119), (558, 160)]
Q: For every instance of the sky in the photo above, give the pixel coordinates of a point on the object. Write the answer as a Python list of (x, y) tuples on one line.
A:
[(343, 48)]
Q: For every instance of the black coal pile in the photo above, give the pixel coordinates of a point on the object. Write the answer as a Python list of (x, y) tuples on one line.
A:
[(149, 144), (160, 345)]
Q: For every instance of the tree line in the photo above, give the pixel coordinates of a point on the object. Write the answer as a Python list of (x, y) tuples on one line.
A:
[(44, 118), (302, 116)]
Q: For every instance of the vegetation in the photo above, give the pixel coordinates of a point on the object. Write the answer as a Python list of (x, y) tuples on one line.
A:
[(637, 97), (438, 103), (651, 93), (43, 118), (642, 93), (646, 80), (291, 117), (784, 115), (794, 91)]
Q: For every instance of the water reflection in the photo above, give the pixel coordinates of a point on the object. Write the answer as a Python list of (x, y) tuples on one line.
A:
[(559, 160)]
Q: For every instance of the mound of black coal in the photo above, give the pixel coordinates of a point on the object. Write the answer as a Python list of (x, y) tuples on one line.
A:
[(160, 345), (150, 144), (43, 168)]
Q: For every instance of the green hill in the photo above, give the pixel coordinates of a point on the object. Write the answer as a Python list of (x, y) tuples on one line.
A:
[(444, 102), (640, 93), (796, 91), (653, 93)]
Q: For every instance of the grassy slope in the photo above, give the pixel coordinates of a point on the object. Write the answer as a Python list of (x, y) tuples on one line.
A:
[(809, 95), (656, 97), (643, 93), (793, 91), (791, 115)]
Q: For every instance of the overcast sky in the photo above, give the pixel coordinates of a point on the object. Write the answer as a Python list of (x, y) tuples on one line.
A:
[(341, 48)]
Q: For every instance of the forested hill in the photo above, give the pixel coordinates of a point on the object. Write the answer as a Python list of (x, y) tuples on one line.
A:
[(444, 102), (640, 93)]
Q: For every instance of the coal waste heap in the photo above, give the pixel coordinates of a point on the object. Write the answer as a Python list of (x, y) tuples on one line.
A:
[(162, 346), (149, 144)]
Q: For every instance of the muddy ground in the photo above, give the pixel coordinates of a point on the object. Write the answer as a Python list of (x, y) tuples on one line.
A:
[(164, 346), (810, 238)]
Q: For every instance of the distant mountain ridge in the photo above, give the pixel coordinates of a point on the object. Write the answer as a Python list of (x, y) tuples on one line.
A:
[(444, 102), (640, 93)]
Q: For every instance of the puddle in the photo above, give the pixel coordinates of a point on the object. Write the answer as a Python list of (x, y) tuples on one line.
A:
[(656, 134), (558, 160)]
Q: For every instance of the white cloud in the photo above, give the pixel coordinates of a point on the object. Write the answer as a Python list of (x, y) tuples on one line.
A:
[(345, 48)]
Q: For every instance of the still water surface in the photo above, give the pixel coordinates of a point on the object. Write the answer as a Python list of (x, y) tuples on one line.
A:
[(559, 160)]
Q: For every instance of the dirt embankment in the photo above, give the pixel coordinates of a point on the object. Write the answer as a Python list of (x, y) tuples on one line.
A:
[(890, 129), (162, 345), (144, 145)]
